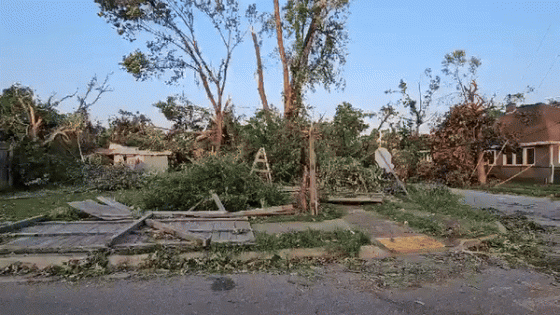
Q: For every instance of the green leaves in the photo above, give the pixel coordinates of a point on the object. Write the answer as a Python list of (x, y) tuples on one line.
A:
[(136, 63)]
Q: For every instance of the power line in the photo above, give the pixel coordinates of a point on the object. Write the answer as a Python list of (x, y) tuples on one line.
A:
[(552, 65), (536, 52)]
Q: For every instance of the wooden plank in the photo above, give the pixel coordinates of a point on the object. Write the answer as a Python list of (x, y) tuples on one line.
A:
[(113, 203), (180, 233), (127, 230), (216, 237), (278, 210), (355, 199), (100, 211), (238, 219), (218, 203), (21, 224), (55, 234)]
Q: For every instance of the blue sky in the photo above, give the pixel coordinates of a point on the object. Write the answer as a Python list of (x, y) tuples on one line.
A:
[(59, 45)]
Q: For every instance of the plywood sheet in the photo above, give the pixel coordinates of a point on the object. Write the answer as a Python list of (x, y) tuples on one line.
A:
[(411, 244), (103, 212)]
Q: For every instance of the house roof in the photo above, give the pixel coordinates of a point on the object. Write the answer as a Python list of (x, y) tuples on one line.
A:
[(117, 149), (537, 123)]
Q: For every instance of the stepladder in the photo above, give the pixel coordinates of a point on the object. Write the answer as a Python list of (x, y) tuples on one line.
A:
[(261, 166)]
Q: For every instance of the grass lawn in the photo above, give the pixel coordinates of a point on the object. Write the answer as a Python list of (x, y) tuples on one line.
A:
[(525, 189), (19, 205), (438, 212)]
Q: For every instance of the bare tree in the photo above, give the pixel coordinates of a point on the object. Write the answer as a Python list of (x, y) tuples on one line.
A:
[(175, 45)]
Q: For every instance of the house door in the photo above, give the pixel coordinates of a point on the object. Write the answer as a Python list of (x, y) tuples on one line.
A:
[(557, 176)]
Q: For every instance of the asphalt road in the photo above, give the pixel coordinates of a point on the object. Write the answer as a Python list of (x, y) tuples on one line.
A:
[(542, 210), (494, 291)]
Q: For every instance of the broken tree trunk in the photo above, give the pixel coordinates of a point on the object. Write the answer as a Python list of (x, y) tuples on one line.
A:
[(313, 203), (260, 72)]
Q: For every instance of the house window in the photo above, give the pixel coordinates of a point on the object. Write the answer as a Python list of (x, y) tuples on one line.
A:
[(508, 158), (524, 156), (519, 157), (490, 157), (529, 156)]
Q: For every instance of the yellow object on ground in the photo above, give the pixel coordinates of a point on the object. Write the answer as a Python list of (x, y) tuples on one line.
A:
[(411, 244)]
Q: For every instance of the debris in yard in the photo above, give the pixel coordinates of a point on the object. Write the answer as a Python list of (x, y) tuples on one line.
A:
[(58, 237), (374, 198), (108, 212), (205, 230), (21, 224), (270, 211), (410, 244), (201, 239)]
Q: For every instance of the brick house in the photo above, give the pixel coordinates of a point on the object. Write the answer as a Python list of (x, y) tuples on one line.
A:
[(537, 130)]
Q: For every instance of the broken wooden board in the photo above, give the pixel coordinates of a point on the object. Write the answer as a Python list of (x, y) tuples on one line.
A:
[(376, 198), (21, 224), (271, 211), (103, 212), (220, 230), (60, 237), (199, 238), (113, 203)]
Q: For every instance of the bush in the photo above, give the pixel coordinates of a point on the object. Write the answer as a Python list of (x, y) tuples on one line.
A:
[(36, 164), (283, 141), (225, 176), (113, 177), (346, 173)]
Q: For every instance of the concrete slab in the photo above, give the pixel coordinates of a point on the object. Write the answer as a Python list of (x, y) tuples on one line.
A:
[(376, 226)]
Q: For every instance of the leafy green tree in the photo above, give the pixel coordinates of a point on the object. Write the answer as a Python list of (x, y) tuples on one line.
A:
[(342, 135), (185, 115), (22, 115), (175, 44), (312, 39)]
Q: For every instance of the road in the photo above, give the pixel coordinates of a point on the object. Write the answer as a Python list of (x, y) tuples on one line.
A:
[(541, 210), (331, 291)]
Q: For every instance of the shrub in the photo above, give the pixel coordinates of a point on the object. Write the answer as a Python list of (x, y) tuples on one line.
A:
[(346, 173), (36, 164), (225, 176), (113, 177)]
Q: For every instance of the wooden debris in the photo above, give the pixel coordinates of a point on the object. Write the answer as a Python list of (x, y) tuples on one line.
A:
[(377, 198), (279, 210), (113, 203), (100, 211), (218, 203), (63, 237), (21, 224), (127, 230), (182, 234)]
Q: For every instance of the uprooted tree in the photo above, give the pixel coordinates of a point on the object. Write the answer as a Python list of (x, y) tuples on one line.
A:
[(176, 43)]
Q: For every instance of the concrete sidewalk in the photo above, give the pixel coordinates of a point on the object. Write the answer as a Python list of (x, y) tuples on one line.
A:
[(389, 236)]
